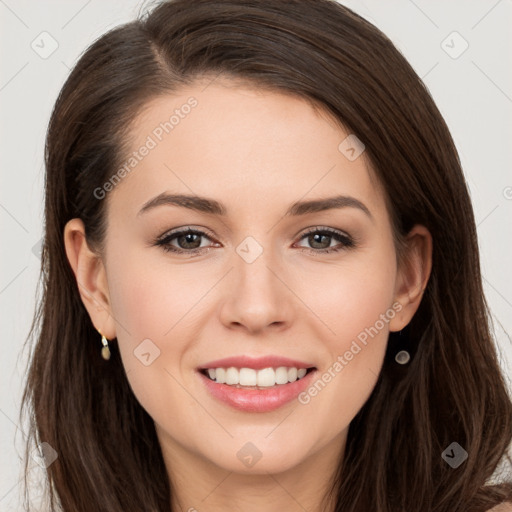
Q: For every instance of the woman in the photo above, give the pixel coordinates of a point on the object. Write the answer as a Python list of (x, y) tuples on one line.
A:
[(261, 278)]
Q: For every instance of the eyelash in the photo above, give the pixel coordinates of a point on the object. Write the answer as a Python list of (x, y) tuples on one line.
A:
[(347, 242)]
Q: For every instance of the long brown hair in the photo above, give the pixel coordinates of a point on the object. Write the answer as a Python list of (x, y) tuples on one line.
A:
[(109, 458)]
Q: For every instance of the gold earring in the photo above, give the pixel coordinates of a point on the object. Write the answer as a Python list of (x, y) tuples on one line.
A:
[(105, 350)]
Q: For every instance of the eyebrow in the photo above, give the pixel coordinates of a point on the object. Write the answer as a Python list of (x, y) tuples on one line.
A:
[(213, 207)]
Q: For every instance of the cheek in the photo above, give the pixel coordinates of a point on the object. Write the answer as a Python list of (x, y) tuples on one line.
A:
[(150, 311), (357, 306), (353, 296), (150, 298)]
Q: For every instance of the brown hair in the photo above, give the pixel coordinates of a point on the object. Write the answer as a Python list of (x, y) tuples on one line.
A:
[(109, 457)]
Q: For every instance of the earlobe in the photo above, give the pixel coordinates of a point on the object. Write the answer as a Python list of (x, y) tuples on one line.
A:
[(413, 275), (90, 276)]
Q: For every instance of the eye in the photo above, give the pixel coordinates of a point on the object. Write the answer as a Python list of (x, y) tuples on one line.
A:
[(188, 241), (321, 238)]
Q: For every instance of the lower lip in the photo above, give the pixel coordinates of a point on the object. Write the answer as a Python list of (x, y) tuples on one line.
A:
[(257, 400)]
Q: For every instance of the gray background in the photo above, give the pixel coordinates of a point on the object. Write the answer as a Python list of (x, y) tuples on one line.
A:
[(40, 41)]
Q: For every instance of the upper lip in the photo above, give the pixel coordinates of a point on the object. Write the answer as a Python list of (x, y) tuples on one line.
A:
[(256, 363)]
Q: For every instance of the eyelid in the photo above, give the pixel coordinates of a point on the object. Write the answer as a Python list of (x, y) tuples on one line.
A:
[(206, 231), (348, 242), (315, 229), (186, 229)]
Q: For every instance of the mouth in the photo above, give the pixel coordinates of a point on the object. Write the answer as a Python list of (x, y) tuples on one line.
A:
[(256, 384), (251, 378)]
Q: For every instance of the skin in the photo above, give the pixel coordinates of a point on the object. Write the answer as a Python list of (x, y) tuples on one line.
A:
[(257, 152)]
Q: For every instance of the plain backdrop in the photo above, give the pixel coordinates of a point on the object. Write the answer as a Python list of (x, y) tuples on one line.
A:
[(460, 48)]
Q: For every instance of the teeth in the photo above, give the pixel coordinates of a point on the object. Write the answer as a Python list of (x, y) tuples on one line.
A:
[(220, 375), (247, 376), (281, 375), (267, 377), (232, 376)]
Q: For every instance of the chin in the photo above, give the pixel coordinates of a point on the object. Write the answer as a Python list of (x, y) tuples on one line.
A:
[(258, 457)]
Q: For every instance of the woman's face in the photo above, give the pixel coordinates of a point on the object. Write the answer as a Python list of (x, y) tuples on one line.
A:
[(253, 283)]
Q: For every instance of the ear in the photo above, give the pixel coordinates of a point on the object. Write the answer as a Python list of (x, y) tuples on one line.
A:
[(90, 276), (412, 276)]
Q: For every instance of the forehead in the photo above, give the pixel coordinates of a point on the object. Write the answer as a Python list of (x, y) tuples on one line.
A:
[(246, 145)]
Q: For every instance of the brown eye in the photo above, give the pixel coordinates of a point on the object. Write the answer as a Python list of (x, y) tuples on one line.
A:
[(320, 240), (183, 241), (189, 241)]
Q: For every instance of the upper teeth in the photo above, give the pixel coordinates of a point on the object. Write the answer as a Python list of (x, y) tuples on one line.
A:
[(250, 377)]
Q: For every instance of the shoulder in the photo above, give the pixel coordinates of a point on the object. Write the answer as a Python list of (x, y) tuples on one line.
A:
[(504, 507)]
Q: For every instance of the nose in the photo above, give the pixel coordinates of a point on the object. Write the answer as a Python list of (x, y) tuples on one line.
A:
[(257, 295)]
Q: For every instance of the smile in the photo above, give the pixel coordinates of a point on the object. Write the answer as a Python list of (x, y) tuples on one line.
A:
[(256, 384), (251, 378)]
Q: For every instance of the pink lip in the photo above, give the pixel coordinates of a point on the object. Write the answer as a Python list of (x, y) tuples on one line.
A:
[(257, 400), (256, 363)]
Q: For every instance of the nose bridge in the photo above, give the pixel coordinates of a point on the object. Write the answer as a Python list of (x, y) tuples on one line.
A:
[(257, 296), (253, 262)]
